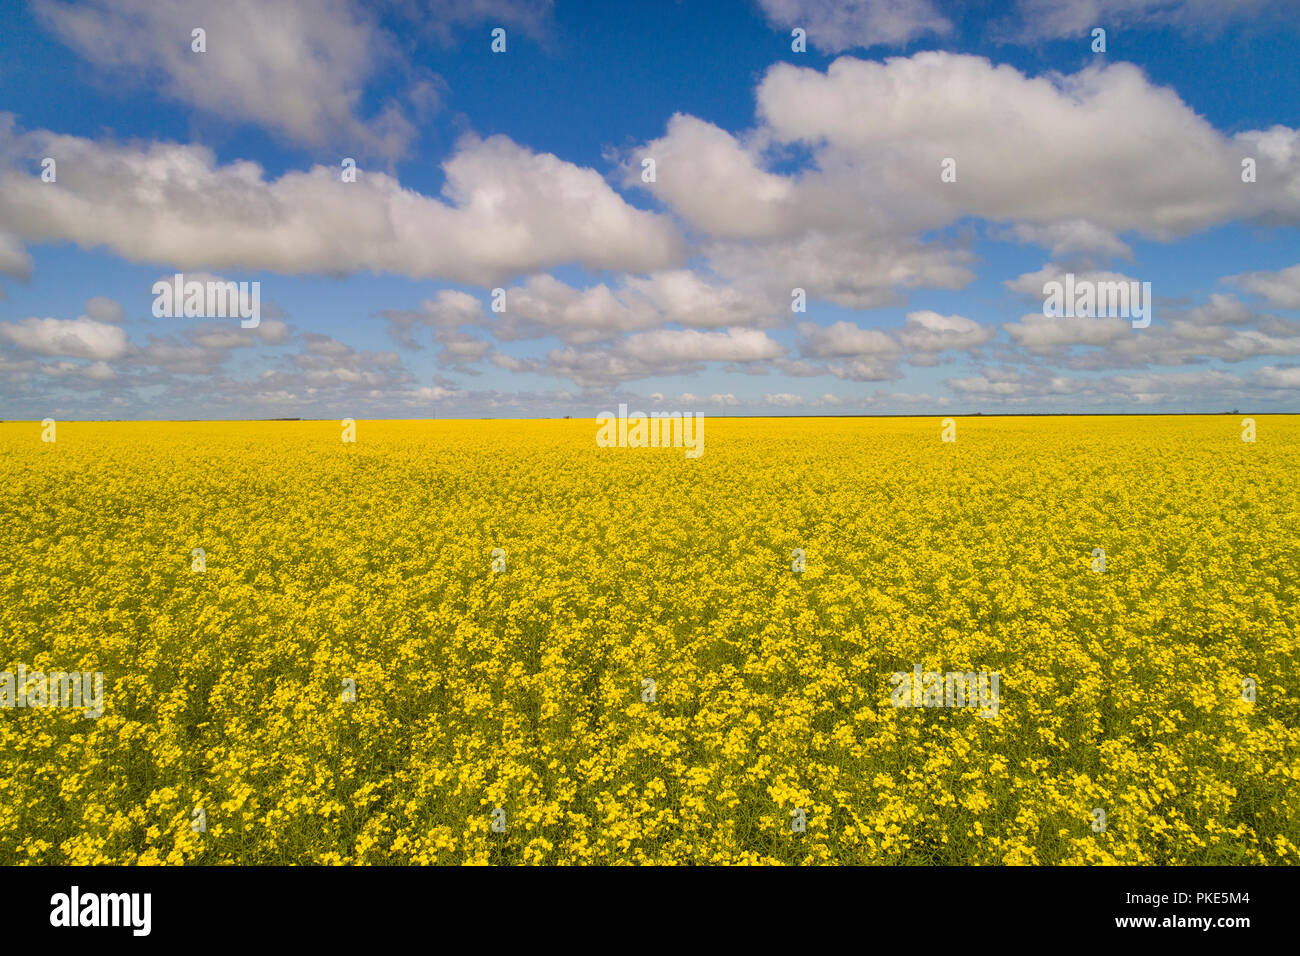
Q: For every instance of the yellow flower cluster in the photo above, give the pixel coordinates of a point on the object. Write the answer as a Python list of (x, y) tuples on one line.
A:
[(639, 675)]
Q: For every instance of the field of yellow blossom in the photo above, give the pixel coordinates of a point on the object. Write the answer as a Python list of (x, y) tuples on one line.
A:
[(495, 642)]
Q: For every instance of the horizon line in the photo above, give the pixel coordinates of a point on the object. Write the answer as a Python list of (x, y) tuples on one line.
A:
[(562, 418)]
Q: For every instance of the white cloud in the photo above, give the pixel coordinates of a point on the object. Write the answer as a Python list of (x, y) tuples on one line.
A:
[(926, 331), (297, 67), (844, 339), (849, 269), (512, 364), (1003, 383), (1280, 289), (684, 297), (1061, 161), (1037, 331), (232, 336), (89, 371), (436, 393), (1155, 388), (274, 332), (1072, 236), (449, 309), (784, 400), (1271, 377), (1050, 19), (688, 345), (14, 259), (1222, 327), (865, 369), (460, 348), (1070, 155), (103, 309), (713, 182), (837, 25), (76, 338), (1030, 284), (509, 211), (660, 352), (544, 305)]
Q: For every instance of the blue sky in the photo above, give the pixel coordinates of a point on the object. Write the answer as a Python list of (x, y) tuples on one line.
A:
[(522, 171)]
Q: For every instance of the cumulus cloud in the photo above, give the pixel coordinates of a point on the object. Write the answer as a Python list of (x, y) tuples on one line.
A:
[(714, 182), (1287, 377), (103, 309), (1019, 140), (1038, 332), (506, 211), (659, 352), (1030, 285), (1221, 328), (1051, 19), (1153, 388), (688, 345), (14, 259), (88, 372), (838, 25), (459, 349), (844, 350), (76, 338), (865, 369), (843, 339), (687, 298), (850, 269), (879, 130), (296, 67), (847, 225), (1279, 289), (436, 393), (543, 305), (449, 309), (783, 400), (926, 331), (1072, 236), (1006, 383), (233, 336)]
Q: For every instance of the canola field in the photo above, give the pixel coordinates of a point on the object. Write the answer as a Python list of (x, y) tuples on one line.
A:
[(495, 642)]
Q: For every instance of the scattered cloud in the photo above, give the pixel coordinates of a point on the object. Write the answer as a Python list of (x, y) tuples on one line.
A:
[(77, 338), (507, 211), (838, 25), (297, 67), (1279, 289)]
